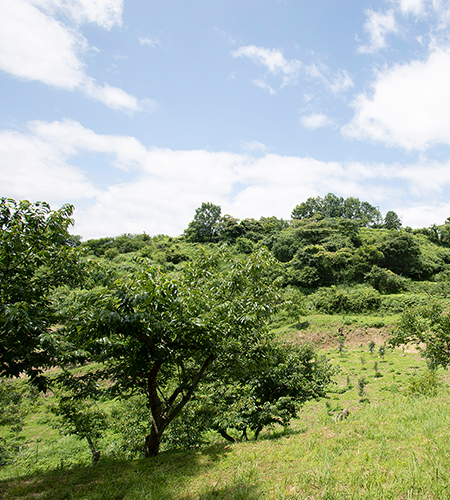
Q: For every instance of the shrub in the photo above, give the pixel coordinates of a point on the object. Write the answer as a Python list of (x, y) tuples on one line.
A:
[(339, 300), (385, 281), (426, 384), (398, 304)]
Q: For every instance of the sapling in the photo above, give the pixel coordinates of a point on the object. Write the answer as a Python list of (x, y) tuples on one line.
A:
[(361, 387), (81, 418)]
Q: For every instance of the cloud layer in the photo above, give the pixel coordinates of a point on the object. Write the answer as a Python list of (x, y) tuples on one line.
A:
[(157, 190), (40, 40), (409, 105)]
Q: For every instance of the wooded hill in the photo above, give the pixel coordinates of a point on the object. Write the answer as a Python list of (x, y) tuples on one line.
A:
[(328, 242)]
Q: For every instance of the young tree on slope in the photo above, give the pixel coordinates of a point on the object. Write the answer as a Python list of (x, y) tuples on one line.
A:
[(160, 336)]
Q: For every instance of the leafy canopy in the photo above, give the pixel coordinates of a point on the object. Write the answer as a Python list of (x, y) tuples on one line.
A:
[(159, 335), (35, 256), (428, 326)]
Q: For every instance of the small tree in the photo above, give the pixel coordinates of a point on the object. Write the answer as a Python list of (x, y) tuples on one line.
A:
[(392, 221), (77, 410), (272, 390), (16, 399), (428, 327), (161, 336), (81, 418)]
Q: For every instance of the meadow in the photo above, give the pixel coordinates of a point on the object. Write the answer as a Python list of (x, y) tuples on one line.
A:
[(394, 443)]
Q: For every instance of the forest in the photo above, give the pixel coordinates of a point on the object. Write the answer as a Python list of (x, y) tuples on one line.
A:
[(138, 346)]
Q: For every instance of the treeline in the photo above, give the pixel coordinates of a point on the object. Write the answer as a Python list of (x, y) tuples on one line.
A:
[(328, 241)]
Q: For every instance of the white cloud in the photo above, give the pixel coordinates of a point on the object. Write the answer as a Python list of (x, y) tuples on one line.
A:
[(409, 106), (157, 190), (265, 86), (415, 7), (378, 25), (104, 13), (274, 61), (315, 120), (342, 82), (35, 45), (39, 171), (254, 146), (116, 98), (151, 42)]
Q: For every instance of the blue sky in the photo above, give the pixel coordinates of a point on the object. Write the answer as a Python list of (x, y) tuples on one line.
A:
[(137, 111)]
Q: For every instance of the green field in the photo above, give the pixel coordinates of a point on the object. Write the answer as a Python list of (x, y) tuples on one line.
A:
[(393, 445)]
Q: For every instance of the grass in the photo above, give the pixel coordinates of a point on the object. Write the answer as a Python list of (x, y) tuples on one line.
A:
[(392, 450), (391, 446)]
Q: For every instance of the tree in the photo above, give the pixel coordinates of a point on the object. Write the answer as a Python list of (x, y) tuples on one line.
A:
[(160, 336), (16, 400), (332, 206), (309, 209), (77, 411), (270, 390), (401, 254), (392, 221), (428, 327), (36, 254), (204, 226)]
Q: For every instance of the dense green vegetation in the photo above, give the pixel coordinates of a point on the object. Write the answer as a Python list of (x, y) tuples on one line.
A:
[(233, 332)]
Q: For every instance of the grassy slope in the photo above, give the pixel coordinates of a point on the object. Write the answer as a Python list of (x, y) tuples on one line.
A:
[(391, 446)]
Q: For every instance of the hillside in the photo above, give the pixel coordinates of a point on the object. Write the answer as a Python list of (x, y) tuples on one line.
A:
[(394, 444), (244, 359)]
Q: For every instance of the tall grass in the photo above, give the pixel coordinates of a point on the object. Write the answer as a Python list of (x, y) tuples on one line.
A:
[(395, 444)]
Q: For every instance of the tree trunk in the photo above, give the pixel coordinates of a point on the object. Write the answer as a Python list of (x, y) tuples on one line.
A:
[(152, 443), (95, 453), (224, 434)]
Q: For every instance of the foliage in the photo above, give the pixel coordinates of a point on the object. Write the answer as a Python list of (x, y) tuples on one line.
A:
[(204, 226), (16, 400), (340, 300), (296, 304), (35, 256), (337, 207), (273, 381), (130, 420), (401, 254), (81, 418), (427, 326), (427, 384), (160, 336), (392, 221), (385, 281)]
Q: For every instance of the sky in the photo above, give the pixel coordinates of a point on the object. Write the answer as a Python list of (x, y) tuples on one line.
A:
[(138, 111)]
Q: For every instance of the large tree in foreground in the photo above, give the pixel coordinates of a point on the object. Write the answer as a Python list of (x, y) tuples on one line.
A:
[(35, 256), (160, 336)]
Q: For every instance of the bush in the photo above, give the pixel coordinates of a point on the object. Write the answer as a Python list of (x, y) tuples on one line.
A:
[(132, 421), (398, 304), (426, 384), (385, 281), (339, 300)]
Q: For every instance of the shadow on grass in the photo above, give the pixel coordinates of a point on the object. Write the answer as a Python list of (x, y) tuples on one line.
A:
[(238, 491), (161, 477), (300, 326), (282, 432)]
